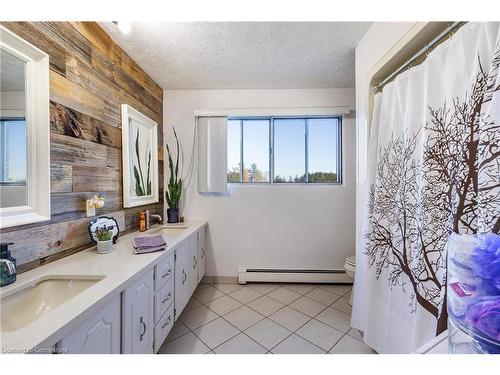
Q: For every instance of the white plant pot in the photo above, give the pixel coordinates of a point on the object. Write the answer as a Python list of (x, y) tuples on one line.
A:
[(104, 247)]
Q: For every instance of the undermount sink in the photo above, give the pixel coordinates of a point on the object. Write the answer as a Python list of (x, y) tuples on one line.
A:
[(38, 299), (173, 230)]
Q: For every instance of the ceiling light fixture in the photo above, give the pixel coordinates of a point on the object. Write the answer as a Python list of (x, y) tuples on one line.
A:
[(124, 27)]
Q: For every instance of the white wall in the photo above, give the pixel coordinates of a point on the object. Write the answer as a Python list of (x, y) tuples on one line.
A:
[(270, 226)]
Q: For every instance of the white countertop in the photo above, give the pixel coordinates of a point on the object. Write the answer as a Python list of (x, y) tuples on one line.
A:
[(119, 268)]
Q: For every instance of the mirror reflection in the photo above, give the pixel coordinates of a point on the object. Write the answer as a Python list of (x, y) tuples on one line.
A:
[(13, 165)]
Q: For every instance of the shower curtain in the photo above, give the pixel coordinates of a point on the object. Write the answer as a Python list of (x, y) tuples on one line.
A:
[(433, 168)]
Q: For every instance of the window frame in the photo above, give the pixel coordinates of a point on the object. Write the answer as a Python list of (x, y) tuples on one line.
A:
[(306, 149)]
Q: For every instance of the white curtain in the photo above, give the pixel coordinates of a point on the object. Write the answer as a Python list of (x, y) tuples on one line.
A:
[(212, 154), (433, 168)]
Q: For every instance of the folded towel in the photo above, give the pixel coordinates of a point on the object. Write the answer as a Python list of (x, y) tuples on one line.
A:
[(148, 250), (148, 242)]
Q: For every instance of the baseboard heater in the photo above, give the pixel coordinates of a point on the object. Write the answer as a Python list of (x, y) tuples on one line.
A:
[(246, 275)]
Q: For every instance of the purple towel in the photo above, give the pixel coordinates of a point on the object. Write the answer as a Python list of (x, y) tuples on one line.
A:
[(149, 242)]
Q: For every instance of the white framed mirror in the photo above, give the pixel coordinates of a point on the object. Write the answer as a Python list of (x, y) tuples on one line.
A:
[(24, 132), (140, 158)]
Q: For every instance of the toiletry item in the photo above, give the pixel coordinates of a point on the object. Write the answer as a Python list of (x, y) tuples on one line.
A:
[(473, 284), (8, 265), (142, 222)]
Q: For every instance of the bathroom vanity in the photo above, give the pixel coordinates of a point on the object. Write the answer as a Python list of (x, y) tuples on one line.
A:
[(112, 303)]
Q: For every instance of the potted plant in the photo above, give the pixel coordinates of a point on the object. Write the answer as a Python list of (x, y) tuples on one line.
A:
[(174, 188), (104, 237)]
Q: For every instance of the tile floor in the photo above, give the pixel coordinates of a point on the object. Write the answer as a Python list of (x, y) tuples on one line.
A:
[(266, 318)]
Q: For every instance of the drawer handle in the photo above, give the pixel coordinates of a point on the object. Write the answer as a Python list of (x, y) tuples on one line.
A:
[(202, 253), (144, 329), (167, 274), (195, 262), (169, 295), (167, 322), (185, 277)]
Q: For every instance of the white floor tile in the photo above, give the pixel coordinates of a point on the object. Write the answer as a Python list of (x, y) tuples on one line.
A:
[(223, 305), (338, 289), (342, 304), (245, 295), (197, 317), (296, 345), (266, 305), (320, 334), (187, 344), (228, 288), (335, 318), (300, 288), (349, 345), (240, 344), (289, 318), (284, 295), (264, 287), (192, 303), (243, 317), (308, 306), (216, 332), (177, 330), (207, 294), (267, 333), (322, 296)]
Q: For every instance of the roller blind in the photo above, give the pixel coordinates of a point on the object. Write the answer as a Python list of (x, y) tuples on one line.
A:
[(212, 154)]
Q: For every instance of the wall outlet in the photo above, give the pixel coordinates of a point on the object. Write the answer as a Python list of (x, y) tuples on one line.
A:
[(90, 207)]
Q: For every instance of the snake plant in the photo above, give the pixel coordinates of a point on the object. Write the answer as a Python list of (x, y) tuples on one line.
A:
[(140, 188), (174, 187)]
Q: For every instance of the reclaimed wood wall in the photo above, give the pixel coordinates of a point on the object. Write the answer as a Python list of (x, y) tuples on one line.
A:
[(90, 77)]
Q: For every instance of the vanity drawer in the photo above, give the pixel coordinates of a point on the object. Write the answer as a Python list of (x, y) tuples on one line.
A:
[(163, 327), (164, 298), (164, 271)]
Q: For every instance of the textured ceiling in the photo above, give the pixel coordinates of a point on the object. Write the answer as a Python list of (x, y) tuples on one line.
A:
[(240, 55)]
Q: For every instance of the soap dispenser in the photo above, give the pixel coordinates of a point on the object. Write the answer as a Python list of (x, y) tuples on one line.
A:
[(7, 265)]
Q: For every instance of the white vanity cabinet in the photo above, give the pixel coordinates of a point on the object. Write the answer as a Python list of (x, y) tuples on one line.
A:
[(193, 262), (98, 334), (202, 254), (138, 316), (181, 277)]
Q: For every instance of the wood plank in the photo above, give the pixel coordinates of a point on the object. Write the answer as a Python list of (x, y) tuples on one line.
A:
[(73, 96), (97, 179), (64, 35), (73, 151), (102, 41), (61, 178), (42, 241), (27, 31), (67, 121), (125, 82), (69, 204), (80, 73)]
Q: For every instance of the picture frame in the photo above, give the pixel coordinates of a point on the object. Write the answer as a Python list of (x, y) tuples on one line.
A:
[(140, 158)]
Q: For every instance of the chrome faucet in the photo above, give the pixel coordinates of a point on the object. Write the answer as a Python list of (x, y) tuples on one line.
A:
[(150, 216)]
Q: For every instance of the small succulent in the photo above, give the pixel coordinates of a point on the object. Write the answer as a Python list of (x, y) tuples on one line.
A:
[(104, 233)]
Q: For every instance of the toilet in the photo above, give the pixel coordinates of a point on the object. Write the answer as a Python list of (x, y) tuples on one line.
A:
[(350, 270)]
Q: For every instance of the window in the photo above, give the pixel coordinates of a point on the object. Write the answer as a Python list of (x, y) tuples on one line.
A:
[(13, 152), (284, 150)]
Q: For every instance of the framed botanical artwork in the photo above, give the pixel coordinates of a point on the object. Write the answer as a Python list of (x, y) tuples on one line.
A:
[(140, 158)]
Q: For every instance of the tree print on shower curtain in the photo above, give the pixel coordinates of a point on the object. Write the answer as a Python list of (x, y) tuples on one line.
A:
[(418, 198)]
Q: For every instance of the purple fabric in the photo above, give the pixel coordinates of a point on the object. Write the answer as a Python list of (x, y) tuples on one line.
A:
[(485, 316), (486, 262), (146, 242)]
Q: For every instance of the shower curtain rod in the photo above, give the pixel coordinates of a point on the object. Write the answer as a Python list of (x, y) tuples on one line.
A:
[(426, 48)]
